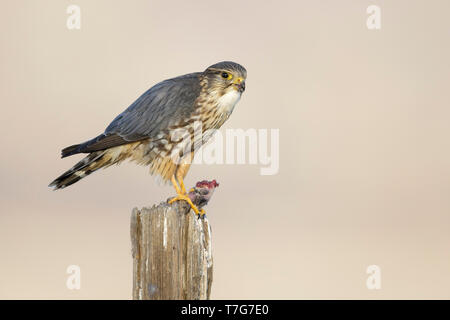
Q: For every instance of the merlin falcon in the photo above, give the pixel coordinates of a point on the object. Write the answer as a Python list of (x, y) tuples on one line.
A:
[(145, 131)]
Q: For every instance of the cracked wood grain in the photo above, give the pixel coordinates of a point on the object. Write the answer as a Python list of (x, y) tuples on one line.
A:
[(171, 251)]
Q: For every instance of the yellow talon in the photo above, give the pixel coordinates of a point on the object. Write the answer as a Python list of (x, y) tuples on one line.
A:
[(183, 197), (183, 188)]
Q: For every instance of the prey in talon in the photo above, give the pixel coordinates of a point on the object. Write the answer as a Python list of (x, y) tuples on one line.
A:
[(201, 194)]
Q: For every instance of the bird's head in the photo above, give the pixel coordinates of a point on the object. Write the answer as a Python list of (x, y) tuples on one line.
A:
[(226, 77)]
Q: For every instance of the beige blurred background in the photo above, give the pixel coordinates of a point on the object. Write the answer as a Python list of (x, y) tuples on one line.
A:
[(364, 144)]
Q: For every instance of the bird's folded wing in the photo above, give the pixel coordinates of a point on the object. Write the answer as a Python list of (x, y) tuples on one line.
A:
[(165, 104)]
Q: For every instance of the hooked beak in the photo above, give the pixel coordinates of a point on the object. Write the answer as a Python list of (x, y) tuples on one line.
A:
[(240, 84)]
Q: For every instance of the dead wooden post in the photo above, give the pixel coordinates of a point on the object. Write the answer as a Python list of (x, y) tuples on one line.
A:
[(171, 250)]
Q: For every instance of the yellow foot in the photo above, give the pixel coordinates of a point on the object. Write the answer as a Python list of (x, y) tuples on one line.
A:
[(183, 197)]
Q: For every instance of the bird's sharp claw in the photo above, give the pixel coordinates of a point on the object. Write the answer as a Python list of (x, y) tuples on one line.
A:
[(184, 197), (201, 213)]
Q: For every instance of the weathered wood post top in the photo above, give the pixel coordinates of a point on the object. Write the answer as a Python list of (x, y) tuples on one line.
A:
[(172, 252)]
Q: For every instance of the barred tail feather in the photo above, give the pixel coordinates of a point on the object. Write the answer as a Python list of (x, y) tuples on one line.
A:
[(85, 167)]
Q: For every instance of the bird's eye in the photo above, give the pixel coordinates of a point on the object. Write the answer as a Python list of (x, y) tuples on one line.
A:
[(226, 75)]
